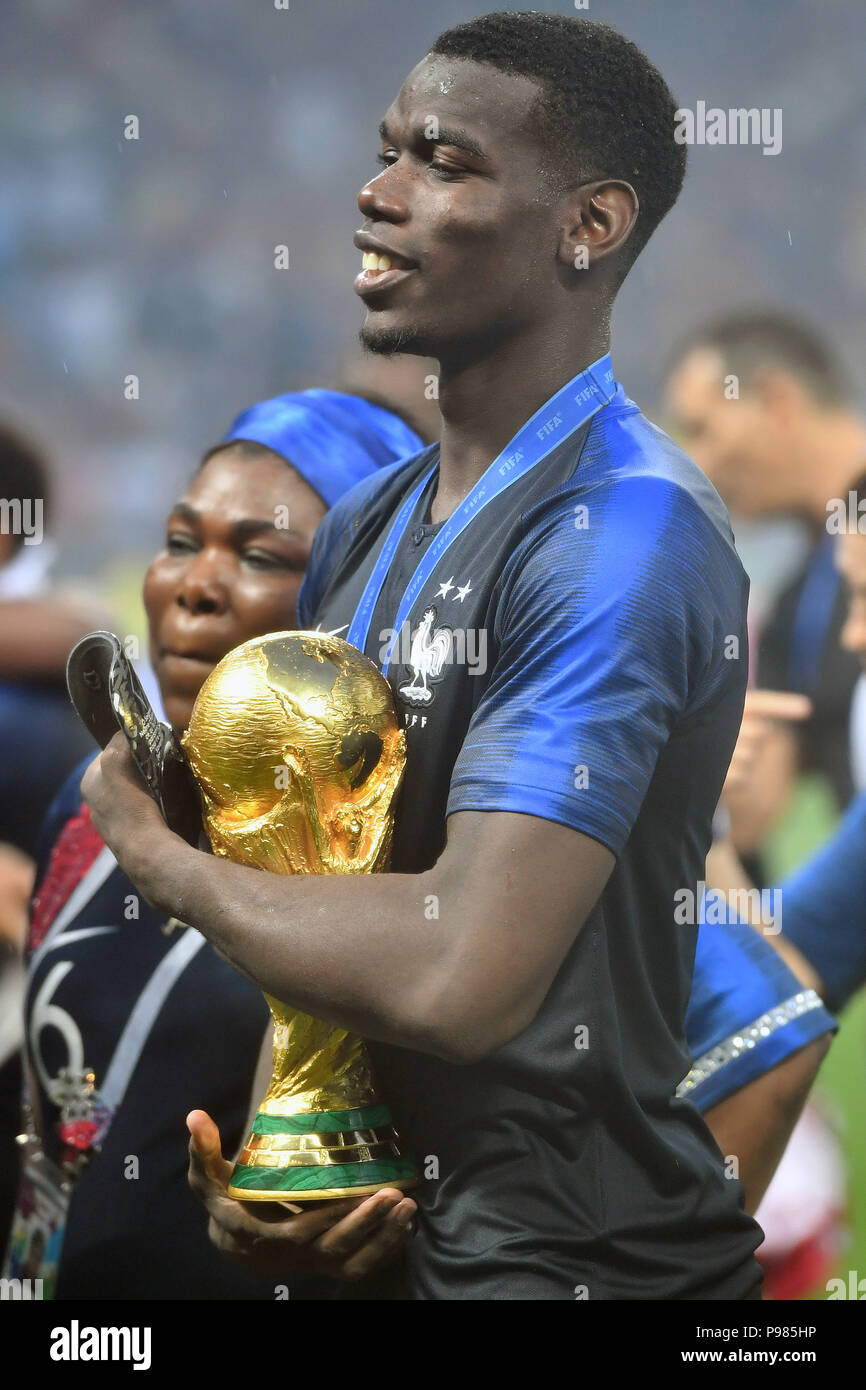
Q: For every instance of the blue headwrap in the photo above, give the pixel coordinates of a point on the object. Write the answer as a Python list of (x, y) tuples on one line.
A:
[(332, 439)]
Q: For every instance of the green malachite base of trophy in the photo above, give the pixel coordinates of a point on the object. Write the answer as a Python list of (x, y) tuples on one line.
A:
[(341, 1153)]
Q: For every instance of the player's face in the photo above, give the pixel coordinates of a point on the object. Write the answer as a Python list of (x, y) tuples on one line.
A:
[(237, 544), (459, 210), (732, 434), (851, 560)]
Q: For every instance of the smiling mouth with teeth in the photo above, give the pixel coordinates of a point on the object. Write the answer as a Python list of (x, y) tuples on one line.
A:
[(376, 264), (381, 272)]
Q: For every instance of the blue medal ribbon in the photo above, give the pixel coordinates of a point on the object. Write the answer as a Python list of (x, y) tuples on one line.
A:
[(553, 422)]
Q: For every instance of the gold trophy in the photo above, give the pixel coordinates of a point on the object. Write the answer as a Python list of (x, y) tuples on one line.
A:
[(295, 746)]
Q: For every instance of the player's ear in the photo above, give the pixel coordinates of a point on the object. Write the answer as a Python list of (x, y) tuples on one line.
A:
[(595, 221)]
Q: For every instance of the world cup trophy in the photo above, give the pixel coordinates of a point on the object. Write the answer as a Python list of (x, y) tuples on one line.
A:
[(295, 746)]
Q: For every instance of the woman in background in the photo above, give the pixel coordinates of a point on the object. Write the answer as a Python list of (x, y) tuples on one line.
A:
[(133, 1020), (226, 574)]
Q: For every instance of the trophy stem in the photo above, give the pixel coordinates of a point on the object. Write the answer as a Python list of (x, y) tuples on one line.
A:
[(321, 1131)]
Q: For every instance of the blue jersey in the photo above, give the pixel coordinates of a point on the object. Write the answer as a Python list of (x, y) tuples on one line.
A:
[(824, 908), (578, 655)]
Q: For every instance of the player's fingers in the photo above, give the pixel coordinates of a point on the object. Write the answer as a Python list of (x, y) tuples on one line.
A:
[(226, 1242), (244, 1243), (238, 1231), (346, 1236), (315, 1219), (208, 1170), (208, 1177), (385, 1243)]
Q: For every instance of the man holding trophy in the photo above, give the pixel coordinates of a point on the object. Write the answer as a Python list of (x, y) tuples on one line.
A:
[(518, 974)]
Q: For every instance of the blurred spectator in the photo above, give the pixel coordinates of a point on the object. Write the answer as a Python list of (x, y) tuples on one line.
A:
[(821, 910), (408, 386), (41, 738), (821, 919), (824, 900), (146, 1018), (762, 405)]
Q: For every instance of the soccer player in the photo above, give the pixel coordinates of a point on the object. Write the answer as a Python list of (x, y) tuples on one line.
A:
[(519, 971), (824, 900)]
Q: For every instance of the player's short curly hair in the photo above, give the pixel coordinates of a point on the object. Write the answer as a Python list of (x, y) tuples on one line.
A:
[(604, 110)]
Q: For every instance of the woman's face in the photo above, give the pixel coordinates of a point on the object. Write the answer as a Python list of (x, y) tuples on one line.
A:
[(237, 544)]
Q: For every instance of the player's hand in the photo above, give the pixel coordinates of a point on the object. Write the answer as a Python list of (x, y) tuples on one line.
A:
[(125, 815), (765, 712), (345, 1239)]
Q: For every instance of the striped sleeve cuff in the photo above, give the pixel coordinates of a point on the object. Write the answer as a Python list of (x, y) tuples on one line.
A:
[(756, 1049)]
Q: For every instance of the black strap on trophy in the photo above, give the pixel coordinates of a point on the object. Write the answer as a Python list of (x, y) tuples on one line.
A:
[(107, 696)]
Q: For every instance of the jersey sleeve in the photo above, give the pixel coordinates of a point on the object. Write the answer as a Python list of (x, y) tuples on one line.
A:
[(747, 1012), (824, 908), (611, 627)]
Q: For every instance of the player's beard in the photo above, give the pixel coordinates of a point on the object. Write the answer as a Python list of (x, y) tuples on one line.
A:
[(457, 348), (392, 340)]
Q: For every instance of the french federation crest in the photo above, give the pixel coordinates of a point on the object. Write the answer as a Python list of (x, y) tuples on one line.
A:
[(429, 654)]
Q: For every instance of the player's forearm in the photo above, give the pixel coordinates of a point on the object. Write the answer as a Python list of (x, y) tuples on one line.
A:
[(439, 962), (755, 1123), (358, 951)]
